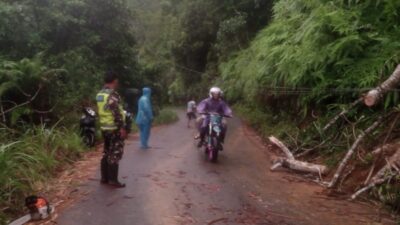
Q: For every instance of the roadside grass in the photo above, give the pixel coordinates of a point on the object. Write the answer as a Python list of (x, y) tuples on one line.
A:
[(29, 159), (266, 123), (166, 116)]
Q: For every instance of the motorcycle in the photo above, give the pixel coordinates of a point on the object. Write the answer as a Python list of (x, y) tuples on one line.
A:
[(88, 126), (213, 137), (128, 121)]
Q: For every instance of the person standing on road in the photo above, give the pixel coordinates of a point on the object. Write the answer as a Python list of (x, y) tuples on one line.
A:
[(191, 111), (144, 117), (112, 126)]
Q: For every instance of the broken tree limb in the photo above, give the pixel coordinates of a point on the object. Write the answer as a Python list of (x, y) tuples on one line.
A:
[(291, 163), (369, 174), (350, 152), (300, 166), (383, 175), (276, 165), (345, 176), (376, 181), (282, 146), (380, 150), (342, 113), (374, 95)]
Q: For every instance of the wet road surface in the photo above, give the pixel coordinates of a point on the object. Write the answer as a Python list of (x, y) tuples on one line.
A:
[(172, 183)]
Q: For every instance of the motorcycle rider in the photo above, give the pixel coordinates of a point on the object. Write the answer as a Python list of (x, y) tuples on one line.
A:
[(191, 111), (212, 104), (112, 127)]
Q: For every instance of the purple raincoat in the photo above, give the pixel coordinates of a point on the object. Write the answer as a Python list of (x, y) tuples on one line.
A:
[(210, 105)]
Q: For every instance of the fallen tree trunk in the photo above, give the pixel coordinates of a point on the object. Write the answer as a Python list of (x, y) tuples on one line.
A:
[(300, 166), (344, 111), (350, 152), (374, 95), (291, 163)]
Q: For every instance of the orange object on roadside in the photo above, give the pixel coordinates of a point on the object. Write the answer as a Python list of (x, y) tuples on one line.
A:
[(41, 202)]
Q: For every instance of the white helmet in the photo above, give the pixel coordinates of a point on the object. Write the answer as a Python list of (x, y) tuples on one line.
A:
[(215, 90)]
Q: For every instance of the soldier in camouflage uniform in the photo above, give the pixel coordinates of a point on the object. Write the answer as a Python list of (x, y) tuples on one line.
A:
[(112, 126)]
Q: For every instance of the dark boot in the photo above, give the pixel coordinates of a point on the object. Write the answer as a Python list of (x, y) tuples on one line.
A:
[(200, 143), (104, 170), (113, 176), (220, 146), (221, 142), (202, 136)]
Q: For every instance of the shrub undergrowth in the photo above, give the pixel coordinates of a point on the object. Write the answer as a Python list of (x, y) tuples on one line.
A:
[(165, 116), (29, 159)]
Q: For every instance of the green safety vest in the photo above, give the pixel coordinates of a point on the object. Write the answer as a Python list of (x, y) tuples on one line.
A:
[(106, 117)]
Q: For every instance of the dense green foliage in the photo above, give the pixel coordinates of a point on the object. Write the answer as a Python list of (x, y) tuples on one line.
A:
[(29, 158), (314, 58), (53, 54), (320, 46), (187, 39), (63, 48)]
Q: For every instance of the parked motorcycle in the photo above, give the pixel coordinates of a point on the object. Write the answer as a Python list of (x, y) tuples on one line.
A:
[(213, 137), (88, 126), (128, 121)]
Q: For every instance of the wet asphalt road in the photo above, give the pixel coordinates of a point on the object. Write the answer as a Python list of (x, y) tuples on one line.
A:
[(172, 183)]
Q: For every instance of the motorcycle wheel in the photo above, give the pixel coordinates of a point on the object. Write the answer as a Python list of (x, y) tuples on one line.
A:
[(88, 139), (214, 151)]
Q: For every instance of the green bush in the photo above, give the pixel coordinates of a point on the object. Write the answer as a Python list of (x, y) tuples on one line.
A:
[(28, 160), (312, 47), (166, 116), (266, 123)]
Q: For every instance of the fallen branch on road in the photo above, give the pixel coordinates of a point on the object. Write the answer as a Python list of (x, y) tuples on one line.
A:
[(300, 166), (282, 146), (290, 162)]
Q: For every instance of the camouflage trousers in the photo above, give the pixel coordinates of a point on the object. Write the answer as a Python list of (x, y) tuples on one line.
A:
[(113, 147)]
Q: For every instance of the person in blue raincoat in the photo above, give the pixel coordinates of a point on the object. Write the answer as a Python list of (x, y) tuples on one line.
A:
[(144, 117)]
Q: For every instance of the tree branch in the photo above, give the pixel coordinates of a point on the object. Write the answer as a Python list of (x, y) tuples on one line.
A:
[(22, 104), (374, 95), (342, 113), (350, 152)]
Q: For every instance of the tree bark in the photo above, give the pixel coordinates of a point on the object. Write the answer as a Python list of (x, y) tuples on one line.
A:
[(282, 146), (374, 95), (291, 163), (350, 152), (382, 175), (300, 166), (378, 179)]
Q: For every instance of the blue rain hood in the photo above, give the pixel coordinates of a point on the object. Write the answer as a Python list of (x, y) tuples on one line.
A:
[(145, 111), (147, 92)]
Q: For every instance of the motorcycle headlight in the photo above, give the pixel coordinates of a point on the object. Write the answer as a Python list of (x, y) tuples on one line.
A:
[(91, 112)]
